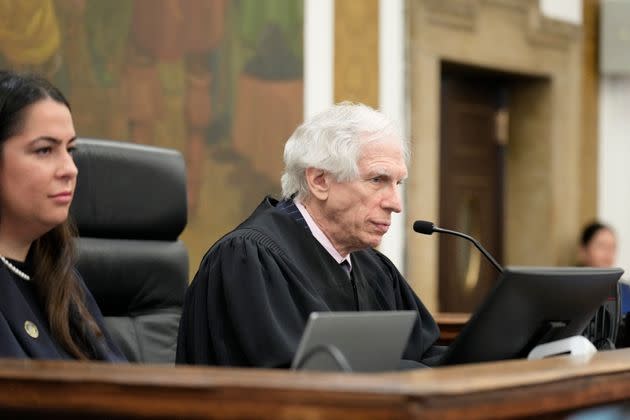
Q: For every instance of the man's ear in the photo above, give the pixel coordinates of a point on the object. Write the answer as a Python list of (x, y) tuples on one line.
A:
[(318, 182)]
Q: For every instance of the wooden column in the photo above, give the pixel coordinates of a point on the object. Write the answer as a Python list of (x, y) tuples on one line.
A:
[(590, 113), (356, 51)]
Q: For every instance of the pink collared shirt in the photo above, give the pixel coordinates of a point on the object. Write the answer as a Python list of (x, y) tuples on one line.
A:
[(320, 236)]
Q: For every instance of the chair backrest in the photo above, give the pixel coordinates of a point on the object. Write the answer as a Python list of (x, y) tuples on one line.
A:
[(623, 332), (130, 208)]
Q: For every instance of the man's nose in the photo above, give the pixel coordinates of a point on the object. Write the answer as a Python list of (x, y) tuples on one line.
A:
[(393, 200)]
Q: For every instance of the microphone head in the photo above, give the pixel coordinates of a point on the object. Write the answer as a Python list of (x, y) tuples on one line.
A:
[(424, 227)]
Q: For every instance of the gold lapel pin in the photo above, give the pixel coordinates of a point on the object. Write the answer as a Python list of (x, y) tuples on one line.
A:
[(31, 329)]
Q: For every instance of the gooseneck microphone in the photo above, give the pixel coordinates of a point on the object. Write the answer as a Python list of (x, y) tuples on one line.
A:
[(427, 228)]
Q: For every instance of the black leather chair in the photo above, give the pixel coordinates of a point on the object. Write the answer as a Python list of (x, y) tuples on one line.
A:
[(130, 208), (604, 326), (623, 332)]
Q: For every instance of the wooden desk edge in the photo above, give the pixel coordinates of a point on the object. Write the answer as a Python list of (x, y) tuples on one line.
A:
[(504, 388)]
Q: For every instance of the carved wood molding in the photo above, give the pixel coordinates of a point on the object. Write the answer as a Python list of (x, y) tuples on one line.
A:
[(539, 29), (551, 33), (461, 14)]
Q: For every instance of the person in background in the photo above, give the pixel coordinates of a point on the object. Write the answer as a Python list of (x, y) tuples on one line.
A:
[(46, 312), (598, 246), (311, 251)]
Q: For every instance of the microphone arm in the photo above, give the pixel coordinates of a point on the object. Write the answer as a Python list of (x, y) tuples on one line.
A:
[(475, 242), (428, 228)]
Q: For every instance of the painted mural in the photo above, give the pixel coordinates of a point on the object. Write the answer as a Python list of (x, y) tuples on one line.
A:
[(219, 80)]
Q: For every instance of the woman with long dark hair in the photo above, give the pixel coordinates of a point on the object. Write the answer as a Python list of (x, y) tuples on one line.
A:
[(46, 312)]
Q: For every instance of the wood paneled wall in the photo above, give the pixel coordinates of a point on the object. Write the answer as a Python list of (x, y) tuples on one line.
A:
[(590, 110), (356, 51)]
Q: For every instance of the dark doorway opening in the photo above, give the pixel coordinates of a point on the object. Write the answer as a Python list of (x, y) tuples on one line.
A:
[(474, 131)]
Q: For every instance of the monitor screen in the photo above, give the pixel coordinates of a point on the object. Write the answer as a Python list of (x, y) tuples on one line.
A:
[(531, 306)]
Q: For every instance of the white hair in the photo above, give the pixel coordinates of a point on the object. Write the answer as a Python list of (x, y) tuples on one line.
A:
[(332, 141)]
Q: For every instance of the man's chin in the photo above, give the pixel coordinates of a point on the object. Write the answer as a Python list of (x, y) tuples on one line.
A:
[(375, 242)]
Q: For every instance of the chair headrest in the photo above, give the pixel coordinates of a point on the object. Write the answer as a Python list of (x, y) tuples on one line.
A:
[(129, 191)]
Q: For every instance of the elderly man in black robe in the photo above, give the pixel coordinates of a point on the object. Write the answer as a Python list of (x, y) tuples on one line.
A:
[(311, 251)]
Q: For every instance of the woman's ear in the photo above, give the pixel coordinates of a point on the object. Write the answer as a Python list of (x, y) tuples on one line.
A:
[(318, 182)]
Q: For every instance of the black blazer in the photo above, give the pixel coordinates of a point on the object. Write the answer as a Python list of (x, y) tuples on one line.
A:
[(24, 330)]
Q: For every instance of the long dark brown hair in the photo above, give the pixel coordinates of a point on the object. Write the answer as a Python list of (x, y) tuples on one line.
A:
[(53, 254)]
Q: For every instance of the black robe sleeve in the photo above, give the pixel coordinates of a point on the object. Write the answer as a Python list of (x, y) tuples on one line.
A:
[(248, 305), (421, 346), (245, 307)]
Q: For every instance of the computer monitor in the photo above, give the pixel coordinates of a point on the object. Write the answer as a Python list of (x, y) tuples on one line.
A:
[(531, 306)]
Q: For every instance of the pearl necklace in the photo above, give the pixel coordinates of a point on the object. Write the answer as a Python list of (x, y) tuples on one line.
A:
[(14, 269)]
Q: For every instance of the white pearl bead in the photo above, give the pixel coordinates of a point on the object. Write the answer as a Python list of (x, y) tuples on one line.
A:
[(14, 269)]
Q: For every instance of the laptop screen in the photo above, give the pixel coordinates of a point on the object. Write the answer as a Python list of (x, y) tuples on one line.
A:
[(359, 341)]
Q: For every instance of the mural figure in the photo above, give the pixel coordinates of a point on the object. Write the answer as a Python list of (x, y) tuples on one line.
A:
[(219, 80)]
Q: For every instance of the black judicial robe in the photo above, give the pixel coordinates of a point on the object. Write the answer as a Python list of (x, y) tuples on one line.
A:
[(255, 288), (19, 304)]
